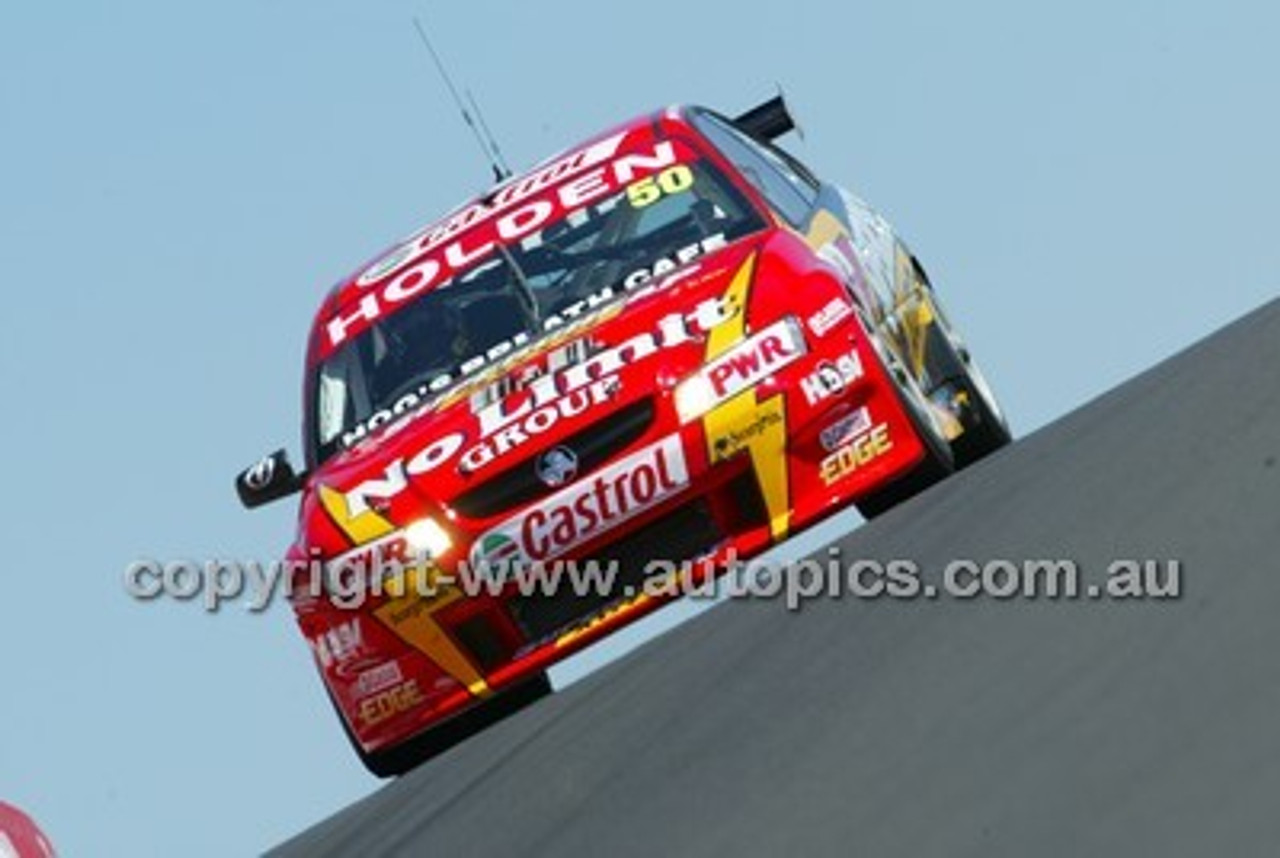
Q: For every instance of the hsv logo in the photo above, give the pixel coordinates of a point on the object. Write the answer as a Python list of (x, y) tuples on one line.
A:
[(340, 644), (831, 379), (587, 508)]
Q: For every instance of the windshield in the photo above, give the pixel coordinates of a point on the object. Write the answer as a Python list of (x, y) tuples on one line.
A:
[(578, 263)]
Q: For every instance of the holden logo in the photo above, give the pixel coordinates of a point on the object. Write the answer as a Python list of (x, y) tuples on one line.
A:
[(557, 466)]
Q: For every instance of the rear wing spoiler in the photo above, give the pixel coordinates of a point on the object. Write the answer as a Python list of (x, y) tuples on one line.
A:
[(768, 121)]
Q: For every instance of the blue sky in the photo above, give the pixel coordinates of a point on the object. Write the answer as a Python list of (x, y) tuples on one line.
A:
[(1092, 187)]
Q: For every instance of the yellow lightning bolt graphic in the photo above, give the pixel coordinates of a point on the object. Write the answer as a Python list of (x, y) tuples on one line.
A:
[(768, 447), (408, 613)]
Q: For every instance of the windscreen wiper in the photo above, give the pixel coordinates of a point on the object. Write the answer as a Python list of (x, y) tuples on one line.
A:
[(522, 283)]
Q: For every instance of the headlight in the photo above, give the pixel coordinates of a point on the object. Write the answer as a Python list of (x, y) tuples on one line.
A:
[(424, 536)]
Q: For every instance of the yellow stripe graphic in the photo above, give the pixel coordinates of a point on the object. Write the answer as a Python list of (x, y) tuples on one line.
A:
[(411, 619), (767, 447), (362, 528), (403, 615)]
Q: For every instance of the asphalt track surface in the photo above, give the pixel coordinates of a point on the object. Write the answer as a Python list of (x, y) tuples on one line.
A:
[(943, 727)]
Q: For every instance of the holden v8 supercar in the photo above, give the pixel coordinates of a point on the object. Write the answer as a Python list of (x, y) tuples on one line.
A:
[(673, 343)]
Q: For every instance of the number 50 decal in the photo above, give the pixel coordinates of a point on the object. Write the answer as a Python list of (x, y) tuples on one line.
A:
[(648, 191)]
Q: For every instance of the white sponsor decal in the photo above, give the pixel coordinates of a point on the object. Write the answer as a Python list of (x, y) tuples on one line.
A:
[(396, 478), (580, 315), (538, 421), (830, 379), (482, 391), (430, 258), (845, 429), (340, 644), (870, 445), (672, 330), (667, 265), (587, 508), (753, 360), (517, 378), (378, 678), (835, 312), (433, 236)]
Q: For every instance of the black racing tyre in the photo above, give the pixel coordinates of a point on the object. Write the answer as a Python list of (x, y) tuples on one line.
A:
[(937, 463), (394, 761), (985, 427), (952, 367)]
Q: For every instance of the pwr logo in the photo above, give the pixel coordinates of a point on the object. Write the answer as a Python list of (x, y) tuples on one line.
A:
[(755, 359)]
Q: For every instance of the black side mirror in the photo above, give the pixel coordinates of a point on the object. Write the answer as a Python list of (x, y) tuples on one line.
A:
[(271, 478)]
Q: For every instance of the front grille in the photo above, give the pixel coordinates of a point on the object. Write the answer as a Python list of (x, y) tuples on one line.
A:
[(593, 446), (684, 534), (482, 641)]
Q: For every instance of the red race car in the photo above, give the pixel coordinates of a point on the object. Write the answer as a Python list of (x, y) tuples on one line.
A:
[(669, 346)]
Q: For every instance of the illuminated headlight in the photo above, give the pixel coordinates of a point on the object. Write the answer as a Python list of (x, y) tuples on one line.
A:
[(695, 397), (424, 536)]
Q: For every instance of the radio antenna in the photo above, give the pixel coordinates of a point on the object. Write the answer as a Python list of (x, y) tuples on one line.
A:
[(498, 157), (488, 146)]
